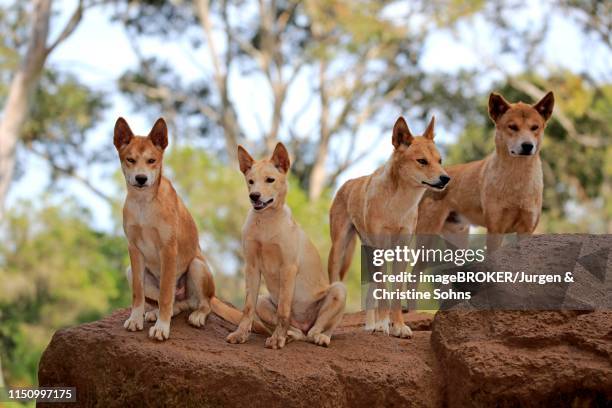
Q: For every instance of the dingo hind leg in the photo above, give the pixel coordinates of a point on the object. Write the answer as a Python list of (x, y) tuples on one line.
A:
[(266, 312), (200, 288), (343, 237), (330, 315)]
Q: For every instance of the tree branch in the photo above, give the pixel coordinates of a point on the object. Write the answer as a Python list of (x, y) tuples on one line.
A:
[(69, 28), (203, 9), (162, 92), (229, 120), (70, 172)]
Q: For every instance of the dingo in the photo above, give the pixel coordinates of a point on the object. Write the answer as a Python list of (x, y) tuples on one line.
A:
[(382, 208), (301, 299), (167, 265), (502, 192)]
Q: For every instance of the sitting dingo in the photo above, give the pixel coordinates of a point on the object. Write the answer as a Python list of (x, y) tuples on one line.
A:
[(382, 208), (167, 265), (502, 192), (301, 300)]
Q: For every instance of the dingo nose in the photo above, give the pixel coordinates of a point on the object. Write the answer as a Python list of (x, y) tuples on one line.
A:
[(444, 180), (526, 148), (141, 179), (254, 196)]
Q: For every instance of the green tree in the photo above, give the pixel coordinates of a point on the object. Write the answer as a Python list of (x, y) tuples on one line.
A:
[(357, 59), (55, 271), (25, 45)]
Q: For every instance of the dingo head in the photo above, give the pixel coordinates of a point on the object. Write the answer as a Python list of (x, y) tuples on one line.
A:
[(416, 159), (266, 179), (519, 126), (141, 157)]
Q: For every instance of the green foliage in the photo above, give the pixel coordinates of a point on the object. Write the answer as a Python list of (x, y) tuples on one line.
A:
[(59, 122), (475, 143), (55, 271), (13, 28)]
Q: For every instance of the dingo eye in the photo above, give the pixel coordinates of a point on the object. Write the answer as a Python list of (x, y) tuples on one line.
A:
[(151, 161), (269, 180), (422, 161), (130, 160), (251, 181), (440, 161), (534, 128), (513, 127)]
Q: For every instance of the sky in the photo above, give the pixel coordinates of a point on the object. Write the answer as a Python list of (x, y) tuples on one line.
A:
[(99, 52)]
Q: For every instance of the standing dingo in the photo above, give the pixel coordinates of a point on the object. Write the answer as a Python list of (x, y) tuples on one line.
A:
[(502, 192), (382, 208)]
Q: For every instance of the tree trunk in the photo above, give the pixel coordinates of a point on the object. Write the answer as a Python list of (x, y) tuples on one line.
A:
[(229, 119), (18, 100), (316, 182), (278, 90)]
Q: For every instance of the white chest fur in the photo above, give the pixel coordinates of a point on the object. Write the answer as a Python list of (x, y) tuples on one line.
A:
[(142, 231)]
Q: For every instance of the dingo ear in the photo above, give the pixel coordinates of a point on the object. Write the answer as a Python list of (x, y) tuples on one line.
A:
[(497, 106), (401, 133), (429, 132), (280, 158), (159, 134), (123, 134), (244, 160), (545, 105)]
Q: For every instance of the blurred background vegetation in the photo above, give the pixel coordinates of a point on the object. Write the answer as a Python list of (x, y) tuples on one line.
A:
[(327, 77)]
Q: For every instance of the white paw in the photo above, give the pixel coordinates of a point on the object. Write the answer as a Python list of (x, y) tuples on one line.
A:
[(238, 337), (321, 339), (152, 315), (401, 330), (197, 318), (135, 322), (160, 331), (382, 326)]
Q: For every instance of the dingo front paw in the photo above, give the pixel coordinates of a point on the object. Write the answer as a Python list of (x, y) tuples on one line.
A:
[(401, 330), (237, 337), (197, 318), (319, 339), (135, 322), (160, 331), (277, 340)]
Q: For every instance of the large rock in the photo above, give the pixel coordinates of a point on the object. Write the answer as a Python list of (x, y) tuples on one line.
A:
[(111, 367), (529, 359), (470, 358), (534, 358)]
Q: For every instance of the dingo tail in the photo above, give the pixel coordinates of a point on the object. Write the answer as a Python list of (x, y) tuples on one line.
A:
[(233, 315)]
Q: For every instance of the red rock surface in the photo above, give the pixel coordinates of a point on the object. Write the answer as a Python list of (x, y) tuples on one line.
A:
[(196, 367), (479, 359), (529, 359)]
